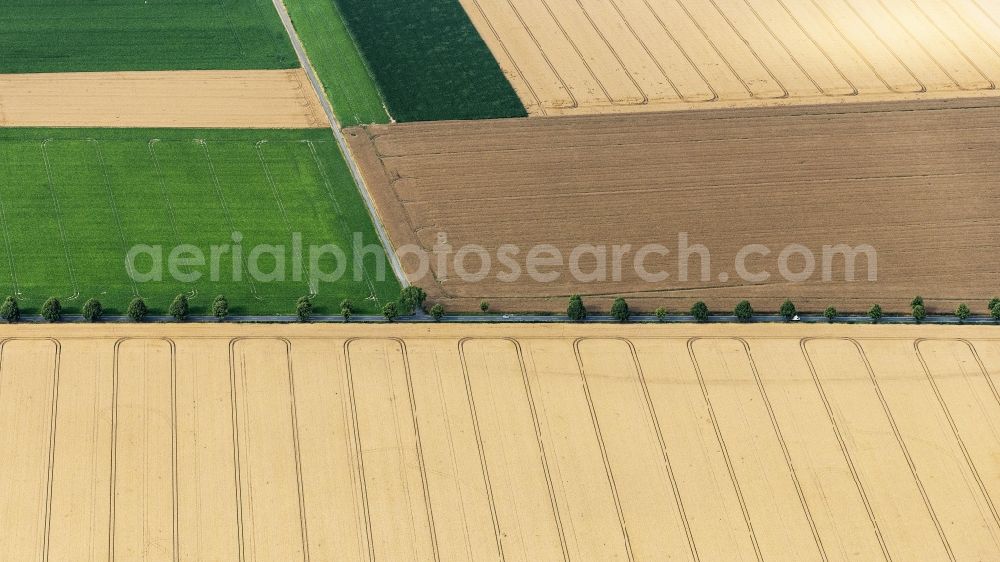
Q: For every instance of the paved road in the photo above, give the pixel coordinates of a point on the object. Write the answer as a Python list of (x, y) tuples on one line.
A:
[(359, 180)]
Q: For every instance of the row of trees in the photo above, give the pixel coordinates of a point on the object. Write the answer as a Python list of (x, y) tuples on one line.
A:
[(744, 312), (412, 299)]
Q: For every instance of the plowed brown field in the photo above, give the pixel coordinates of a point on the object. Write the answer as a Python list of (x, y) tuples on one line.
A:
[(199, 98), (916, 181), (600, 56), (499, 443)]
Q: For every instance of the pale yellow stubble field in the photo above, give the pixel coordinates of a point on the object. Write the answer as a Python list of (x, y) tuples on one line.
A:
[(517, 443), (601, 56), (255, 99)]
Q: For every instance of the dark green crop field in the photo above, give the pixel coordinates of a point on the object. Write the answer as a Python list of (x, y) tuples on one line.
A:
[(104, 35), (429, 61), (200, 212)]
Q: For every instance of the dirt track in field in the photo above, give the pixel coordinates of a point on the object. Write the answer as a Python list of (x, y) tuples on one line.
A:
[(601, 56), (327, 443), (212, 98), (915, 181)]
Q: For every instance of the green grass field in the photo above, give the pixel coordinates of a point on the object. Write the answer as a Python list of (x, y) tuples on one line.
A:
[(102, 35), (73, 202), (429, 61), (348, 83)]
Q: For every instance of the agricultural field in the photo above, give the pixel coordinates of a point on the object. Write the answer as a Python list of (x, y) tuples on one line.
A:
[(915, 182), (108, 35), (485, 442), (427, 59), (258, 99), (346, 78), (74, 202), (573, 57)]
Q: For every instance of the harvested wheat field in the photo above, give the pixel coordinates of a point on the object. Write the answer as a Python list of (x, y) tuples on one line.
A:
[(599, 56), (487, 442), (254, 99), (915, 181)]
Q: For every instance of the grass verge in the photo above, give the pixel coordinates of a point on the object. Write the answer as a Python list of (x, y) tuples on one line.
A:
[(347, 81), (429, 61), (74, 202), (106, 35)]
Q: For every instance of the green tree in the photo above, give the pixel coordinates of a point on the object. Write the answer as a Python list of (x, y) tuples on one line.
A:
[(787, 309), (994, 302), (220, 307), (917, 301), (620, 311), (962, 312), (437, 312), (137, 309), (919, 313), (92, 310), (410, 299), (661, 314), (9, 310), (743, 311), (390, 311), (875, 313), (576, 311), (346, 309), (995, 313), (52, 310), (304, 309), (830, 313), (180, 309), (700, 311), (484, 306)]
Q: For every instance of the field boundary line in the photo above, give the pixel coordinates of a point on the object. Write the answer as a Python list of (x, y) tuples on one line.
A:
[(517, 68), (364, 61), (62, 228), (345, 150), (340, 212)]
